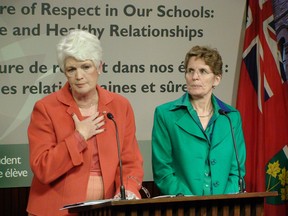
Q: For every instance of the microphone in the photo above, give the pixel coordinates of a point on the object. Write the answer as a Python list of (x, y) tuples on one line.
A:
[(122, 188), (240, 182)]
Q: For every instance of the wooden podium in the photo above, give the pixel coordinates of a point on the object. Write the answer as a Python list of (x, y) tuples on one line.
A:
[(247, 204)]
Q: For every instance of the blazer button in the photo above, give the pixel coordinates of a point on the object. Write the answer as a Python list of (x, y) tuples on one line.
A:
[(216, 184), (213, 162)]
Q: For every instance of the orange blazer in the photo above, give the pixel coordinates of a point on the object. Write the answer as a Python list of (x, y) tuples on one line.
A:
[(61, 171)]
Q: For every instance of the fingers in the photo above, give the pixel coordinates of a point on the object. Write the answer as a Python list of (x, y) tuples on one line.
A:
[(75, 118), (129, 195), (97, 120), (90, 126)]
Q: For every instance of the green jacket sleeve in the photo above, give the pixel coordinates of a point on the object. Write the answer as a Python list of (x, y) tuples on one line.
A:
[(162, 162)]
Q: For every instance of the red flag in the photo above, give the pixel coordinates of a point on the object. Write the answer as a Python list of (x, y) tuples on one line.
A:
[(263, 103)]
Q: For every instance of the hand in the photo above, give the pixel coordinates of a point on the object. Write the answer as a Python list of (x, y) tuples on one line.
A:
[(90, 126), (129, 195)]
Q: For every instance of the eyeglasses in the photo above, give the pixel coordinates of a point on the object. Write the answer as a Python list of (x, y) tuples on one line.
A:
[(142, 187), (200, 73)]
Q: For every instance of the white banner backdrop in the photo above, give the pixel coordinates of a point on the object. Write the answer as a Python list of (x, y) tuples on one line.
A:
[(144, 44)]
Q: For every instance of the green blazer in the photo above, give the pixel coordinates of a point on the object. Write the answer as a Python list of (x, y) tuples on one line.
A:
[(186, 159)]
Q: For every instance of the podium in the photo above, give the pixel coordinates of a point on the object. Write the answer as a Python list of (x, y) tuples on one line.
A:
[(244, 204)]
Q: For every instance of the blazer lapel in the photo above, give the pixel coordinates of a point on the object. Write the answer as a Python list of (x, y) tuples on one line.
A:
[(189, 125), (221, 130), (104, 141)]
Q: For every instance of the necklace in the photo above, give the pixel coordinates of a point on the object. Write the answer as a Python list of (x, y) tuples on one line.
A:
[(203, 116)]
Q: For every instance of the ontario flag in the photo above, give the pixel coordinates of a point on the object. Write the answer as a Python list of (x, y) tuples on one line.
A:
[(263, 102)]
